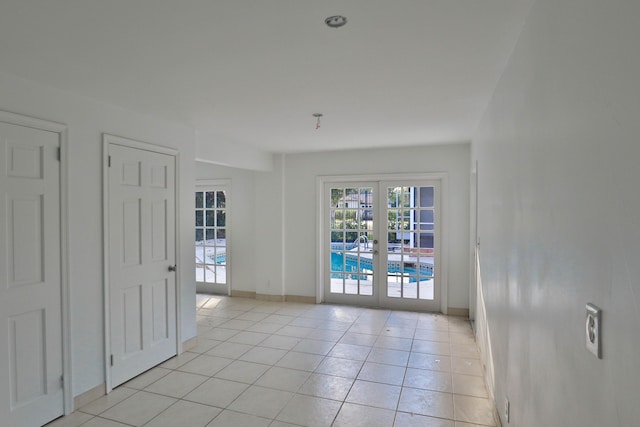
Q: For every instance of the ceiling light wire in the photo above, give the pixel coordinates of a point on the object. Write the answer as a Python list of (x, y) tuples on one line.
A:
[(317, 116)]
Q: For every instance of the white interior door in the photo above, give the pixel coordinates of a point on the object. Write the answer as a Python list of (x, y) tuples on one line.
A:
[(142, 277), (31, 391)]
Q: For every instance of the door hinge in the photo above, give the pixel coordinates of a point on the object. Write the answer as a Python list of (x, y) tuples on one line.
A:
[(111, 360), (59, 153), (62, 381), (109, 161)]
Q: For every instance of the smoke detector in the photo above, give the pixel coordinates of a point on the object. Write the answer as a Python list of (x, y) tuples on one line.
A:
[(335, 21)]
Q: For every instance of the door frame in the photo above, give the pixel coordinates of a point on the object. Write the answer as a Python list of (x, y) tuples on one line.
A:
[(321, 225), (107, 140), (62, 131), (226, 185)]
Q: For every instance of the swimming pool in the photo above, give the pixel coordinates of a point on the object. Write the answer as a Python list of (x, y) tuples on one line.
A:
[(211, 256), (338, 260), (221, 259), (211, 252)]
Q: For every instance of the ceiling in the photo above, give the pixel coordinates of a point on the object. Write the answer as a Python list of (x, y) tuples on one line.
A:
[(401, 72)]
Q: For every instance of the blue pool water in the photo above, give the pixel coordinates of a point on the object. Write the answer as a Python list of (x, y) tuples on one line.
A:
[(221, 259), (337, 263)]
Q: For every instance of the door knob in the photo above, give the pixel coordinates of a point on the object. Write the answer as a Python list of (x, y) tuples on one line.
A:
[(173, 268)]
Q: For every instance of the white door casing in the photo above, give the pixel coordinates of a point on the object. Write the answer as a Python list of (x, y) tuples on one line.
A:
[(31, 291), (141, 286)]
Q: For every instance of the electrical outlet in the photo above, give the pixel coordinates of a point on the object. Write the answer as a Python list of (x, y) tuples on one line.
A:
[(506, 409), (592, 330)]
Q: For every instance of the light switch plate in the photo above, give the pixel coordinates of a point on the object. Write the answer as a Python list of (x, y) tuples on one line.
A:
[(593, 326)]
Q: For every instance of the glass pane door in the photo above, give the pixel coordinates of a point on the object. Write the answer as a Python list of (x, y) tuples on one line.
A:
[(411, 245), (211, 240), (381, 244), (350, 242)]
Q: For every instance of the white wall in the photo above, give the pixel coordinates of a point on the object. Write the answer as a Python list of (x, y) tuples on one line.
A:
[(270, 220), (241, 218), (300, 209), (274, 239), (559, 225), (257, 226), (87, 120), (216, 150)]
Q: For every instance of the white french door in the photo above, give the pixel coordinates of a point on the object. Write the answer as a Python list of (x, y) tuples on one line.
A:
[(212, 204), (31, 391), (382, 242), (351, 243), (141, 259), (410, 252)]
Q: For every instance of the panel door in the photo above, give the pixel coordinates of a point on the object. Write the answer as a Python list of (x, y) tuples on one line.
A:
[(30, 287), (141, 253), (351, 271), (410, 249)]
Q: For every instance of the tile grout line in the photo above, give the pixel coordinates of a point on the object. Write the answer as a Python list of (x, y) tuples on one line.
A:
[(302, 319)]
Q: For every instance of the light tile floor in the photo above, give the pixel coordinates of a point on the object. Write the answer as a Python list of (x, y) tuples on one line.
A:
[(261, 363)]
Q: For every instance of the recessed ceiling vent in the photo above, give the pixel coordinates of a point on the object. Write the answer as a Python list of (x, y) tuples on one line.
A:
[(335, 21)]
